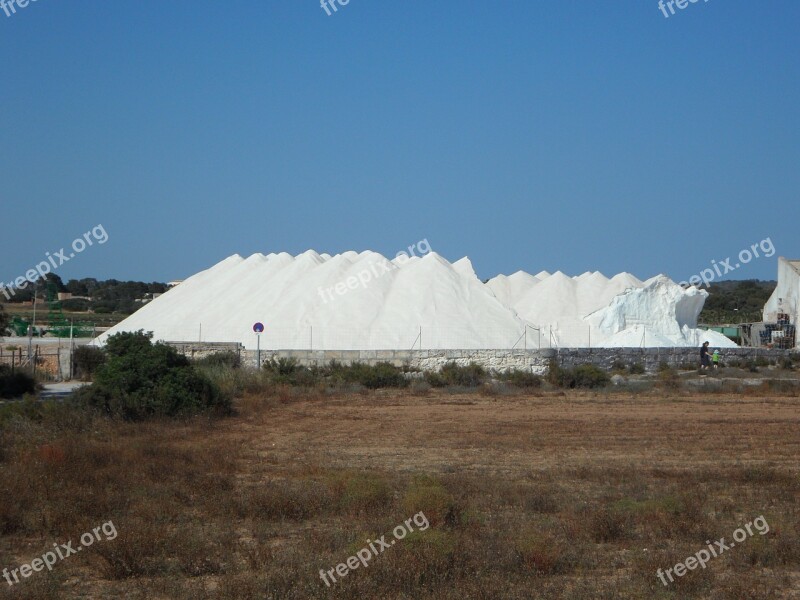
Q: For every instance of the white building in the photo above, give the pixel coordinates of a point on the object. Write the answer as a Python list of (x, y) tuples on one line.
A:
[(785, 300)]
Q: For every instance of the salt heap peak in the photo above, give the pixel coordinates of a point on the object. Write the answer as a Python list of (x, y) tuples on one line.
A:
[(661, 307), (347, 301), (364, 301)]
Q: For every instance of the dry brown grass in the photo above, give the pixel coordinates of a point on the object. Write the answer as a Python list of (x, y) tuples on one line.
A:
[(579, 495)]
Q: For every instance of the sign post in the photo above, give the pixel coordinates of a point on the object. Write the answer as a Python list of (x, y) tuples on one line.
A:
[(259, 329)]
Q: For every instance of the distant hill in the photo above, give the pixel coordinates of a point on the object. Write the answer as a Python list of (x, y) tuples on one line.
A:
[(97, 296), (736, 301)]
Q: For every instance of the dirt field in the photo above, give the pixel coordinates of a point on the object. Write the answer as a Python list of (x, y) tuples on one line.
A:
[(548, 495)]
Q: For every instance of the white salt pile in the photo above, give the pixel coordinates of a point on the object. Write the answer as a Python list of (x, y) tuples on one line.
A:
[(365, 301)]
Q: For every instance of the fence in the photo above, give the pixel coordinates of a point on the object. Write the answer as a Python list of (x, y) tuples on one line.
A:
[(49, 358), (47, 363)]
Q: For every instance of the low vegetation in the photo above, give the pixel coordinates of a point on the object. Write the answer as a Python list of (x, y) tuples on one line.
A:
[(142, 380), (736, 301), (15, 383), (581, 376), (452, 374), (86, 361), (255, 506)]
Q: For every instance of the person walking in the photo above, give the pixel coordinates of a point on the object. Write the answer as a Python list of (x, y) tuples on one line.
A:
[(705, 362), (715, 359)]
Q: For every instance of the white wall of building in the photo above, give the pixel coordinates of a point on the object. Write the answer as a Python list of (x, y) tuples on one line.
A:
[(786, 297)]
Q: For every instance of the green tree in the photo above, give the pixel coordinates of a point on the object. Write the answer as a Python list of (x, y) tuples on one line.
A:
[(142, 380), (4, 320)]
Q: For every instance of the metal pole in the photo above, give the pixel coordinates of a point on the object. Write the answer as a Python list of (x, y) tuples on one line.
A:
[(258, 350), (32, 325), (71, 350)]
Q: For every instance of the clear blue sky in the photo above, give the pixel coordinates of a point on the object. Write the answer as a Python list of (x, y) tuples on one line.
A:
[(571, 135)]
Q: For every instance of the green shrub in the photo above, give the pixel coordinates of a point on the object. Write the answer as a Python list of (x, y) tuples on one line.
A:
[(762, 362), (636, 369), (87, 360), (471, 375), (522, 379), (5, 320), (15, 384), (380, 375), (582, 376), (281, 367), (75, 305), (141, 380), (29, 409), (553, 371), (288, 371), (590, 376)]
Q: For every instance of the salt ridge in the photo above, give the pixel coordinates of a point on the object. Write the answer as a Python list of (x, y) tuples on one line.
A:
[(443, 303)]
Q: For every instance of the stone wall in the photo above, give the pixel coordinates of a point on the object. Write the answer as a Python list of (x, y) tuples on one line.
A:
[(535, 361), (203, 349), (501, 360), (651, 358)]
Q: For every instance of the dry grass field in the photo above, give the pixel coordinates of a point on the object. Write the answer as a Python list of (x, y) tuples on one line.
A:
[(545, 494)]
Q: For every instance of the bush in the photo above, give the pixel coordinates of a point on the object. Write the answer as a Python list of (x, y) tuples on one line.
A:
[(87, 360), (287, 371), (15, 384), (381, 375), (636, 369), (5, 321), (141, 380), (472, 375), (75, 305), (522, 379), (589, 376), (582, 376)]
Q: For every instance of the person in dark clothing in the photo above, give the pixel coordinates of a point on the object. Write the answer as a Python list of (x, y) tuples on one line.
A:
[(705, 359)]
